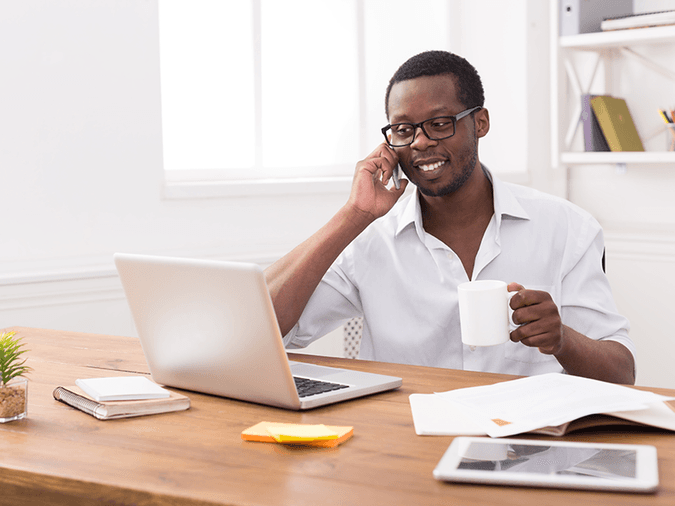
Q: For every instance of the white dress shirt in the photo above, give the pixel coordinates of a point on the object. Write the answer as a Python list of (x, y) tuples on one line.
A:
[(404, 282)]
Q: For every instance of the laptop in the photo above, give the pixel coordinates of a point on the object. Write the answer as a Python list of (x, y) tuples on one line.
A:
[(210, 326)]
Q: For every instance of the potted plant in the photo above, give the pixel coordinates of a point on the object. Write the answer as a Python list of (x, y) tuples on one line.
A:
[(13, 386)]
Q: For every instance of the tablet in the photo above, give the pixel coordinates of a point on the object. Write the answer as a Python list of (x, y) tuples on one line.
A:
[(556, 464)]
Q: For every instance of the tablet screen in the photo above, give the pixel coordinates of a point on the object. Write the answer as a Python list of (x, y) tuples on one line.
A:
[(550, 464), (542, 459)]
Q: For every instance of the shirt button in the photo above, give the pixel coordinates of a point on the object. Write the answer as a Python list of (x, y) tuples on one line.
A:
[(451, 255)]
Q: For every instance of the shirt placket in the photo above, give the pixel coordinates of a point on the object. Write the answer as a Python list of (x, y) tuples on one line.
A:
[(450, 267)]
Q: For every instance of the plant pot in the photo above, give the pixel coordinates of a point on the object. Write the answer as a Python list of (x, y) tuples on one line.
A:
[(14, 400)]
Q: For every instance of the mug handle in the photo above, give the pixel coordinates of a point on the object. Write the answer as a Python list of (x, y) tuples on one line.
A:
[(512, 326)]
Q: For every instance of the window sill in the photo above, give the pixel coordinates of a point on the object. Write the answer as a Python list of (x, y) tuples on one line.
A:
[(177, 190), (174, 190)]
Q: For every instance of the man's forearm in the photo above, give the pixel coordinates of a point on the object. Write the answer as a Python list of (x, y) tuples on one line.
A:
[(292, 279), (603, 360)]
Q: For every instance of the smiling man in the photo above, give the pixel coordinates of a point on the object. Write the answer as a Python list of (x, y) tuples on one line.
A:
[(398, 264)]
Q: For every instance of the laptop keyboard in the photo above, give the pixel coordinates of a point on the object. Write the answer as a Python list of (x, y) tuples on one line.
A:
[(307, 387)]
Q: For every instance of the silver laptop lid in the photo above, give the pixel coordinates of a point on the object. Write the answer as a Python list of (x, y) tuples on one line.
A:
[(208, 326)]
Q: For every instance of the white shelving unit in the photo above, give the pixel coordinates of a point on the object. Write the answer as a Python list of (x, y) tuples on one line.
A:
[(618, 38), (606, 47)]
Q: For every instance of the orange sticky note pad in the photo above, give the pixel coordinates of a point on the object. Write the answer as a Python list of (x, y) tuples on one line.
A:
[(293, 433)]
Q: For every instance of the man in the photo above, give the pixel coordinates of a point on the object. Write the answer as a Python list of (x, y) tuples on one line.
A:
[(399, 265)]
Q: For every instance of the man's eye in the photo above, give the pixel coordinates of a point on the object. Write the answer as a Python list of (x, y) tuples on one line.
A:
[(440, 124), (402, 129)]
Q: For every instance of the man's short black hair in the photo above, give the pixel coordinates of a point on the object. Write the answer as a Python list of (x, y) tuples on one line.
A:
[(434, 63)]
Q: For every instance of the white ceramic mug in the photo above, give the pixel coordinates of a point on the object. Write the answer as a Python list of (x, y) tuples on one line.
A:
[(484, 312)]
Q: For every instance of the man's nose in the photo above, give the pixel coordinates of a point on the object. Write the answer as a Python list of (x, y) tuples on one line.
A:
[(421, 141)]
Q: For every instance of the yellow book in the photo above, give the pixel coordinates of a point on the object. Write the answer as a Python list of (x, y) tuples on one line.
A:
[(616, 123)]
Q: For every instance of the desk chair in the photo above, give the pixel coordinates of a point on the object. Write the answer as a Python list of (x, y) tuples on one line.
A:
[(352, 331)]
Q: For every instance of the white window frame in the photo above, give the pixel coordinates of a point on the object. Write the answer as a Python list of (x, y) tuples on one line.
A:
[(207, 184), (212, 183)]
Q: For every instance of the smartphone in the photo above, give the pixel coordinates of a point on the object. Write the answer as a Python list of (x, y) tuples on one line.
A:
[(556, 464), (396, 176)]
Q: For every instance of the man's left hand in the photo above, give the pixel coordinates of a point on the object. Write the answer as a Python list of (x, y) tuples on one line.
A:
[(539, 320)]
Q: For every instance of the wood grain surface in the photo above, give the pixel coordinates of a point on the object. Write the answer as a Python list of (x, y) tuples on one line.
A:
[(59, 455)]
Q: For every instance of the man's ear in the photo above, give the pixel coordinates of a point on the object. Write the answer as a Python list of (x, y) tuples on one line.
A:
[(482, 119)]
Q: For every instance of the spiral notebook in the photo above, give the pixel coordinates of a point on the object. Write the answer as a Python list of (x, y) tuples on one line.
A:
[(110, 410)]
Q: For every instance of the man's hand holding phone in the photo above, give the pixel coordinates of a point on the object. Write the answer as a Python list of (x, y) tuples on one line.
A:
[(370, 195)]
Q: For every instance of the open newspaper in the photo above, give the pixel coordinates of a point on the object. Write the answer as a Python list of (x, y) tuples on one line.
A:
[(551, 404)]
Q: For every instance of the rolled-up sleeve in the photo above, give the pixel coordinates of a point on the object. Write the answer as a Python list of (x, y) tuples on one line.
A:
[(334, 301), (587, 304)]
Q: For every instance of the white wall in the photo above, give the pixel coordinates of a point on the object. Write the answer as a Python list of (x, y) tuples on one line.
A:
[(637, 210), (81, 172), (81, 165)]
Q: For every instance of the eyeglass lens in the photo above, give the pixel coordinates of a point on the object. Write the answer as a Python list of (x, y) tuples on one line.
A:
[(403, 134)]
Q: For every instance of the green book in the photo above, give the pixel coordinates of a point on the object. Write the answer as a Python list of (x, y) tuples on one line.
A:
[(616, 123)]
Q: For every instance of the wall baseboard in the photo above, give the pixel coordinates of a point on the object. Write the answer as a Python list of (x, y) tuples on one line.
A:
[(651, 246), (67, 285), (91, 298), (96, 283)]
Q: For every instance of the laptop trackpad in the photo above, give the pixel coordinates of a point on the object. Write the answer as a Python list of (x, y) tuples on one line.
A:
[(316, 371)]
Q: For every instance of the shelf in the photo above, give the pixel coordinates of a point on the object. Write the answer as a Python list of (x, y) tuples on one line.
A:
[(618, 38), (572, 77), (624, 157)]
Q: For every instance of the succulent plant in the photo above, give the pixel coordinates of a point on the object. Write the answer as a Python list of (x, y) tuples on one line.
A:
[(11, 363)]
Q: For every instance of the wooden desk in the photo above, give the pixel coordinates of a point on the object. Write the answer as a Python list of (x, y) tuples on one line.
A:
[(59, 455)]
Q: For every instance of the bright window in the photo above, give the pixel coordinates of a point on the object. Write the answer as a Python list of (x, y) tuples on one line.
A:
[(207, 84), (283, 90), (270, 89)]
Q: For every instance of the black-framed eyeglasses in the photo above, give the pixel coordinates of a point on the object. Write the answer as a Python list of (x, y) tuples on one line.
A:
[(399, 135)]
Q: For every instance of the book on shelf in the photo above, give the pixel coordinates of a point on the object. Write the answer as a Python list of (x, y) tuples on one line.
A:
[(616, 123), (594, 139), (110, 410), (643, 20)]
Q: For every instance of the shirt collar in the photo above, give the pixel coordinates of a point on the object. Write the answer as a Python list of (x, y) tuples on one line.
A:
[(411, 214), (505, 204)]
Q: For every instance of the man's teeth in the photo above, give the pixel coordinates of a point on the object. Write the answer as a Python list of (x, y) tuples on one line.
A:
[(431, 166)]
